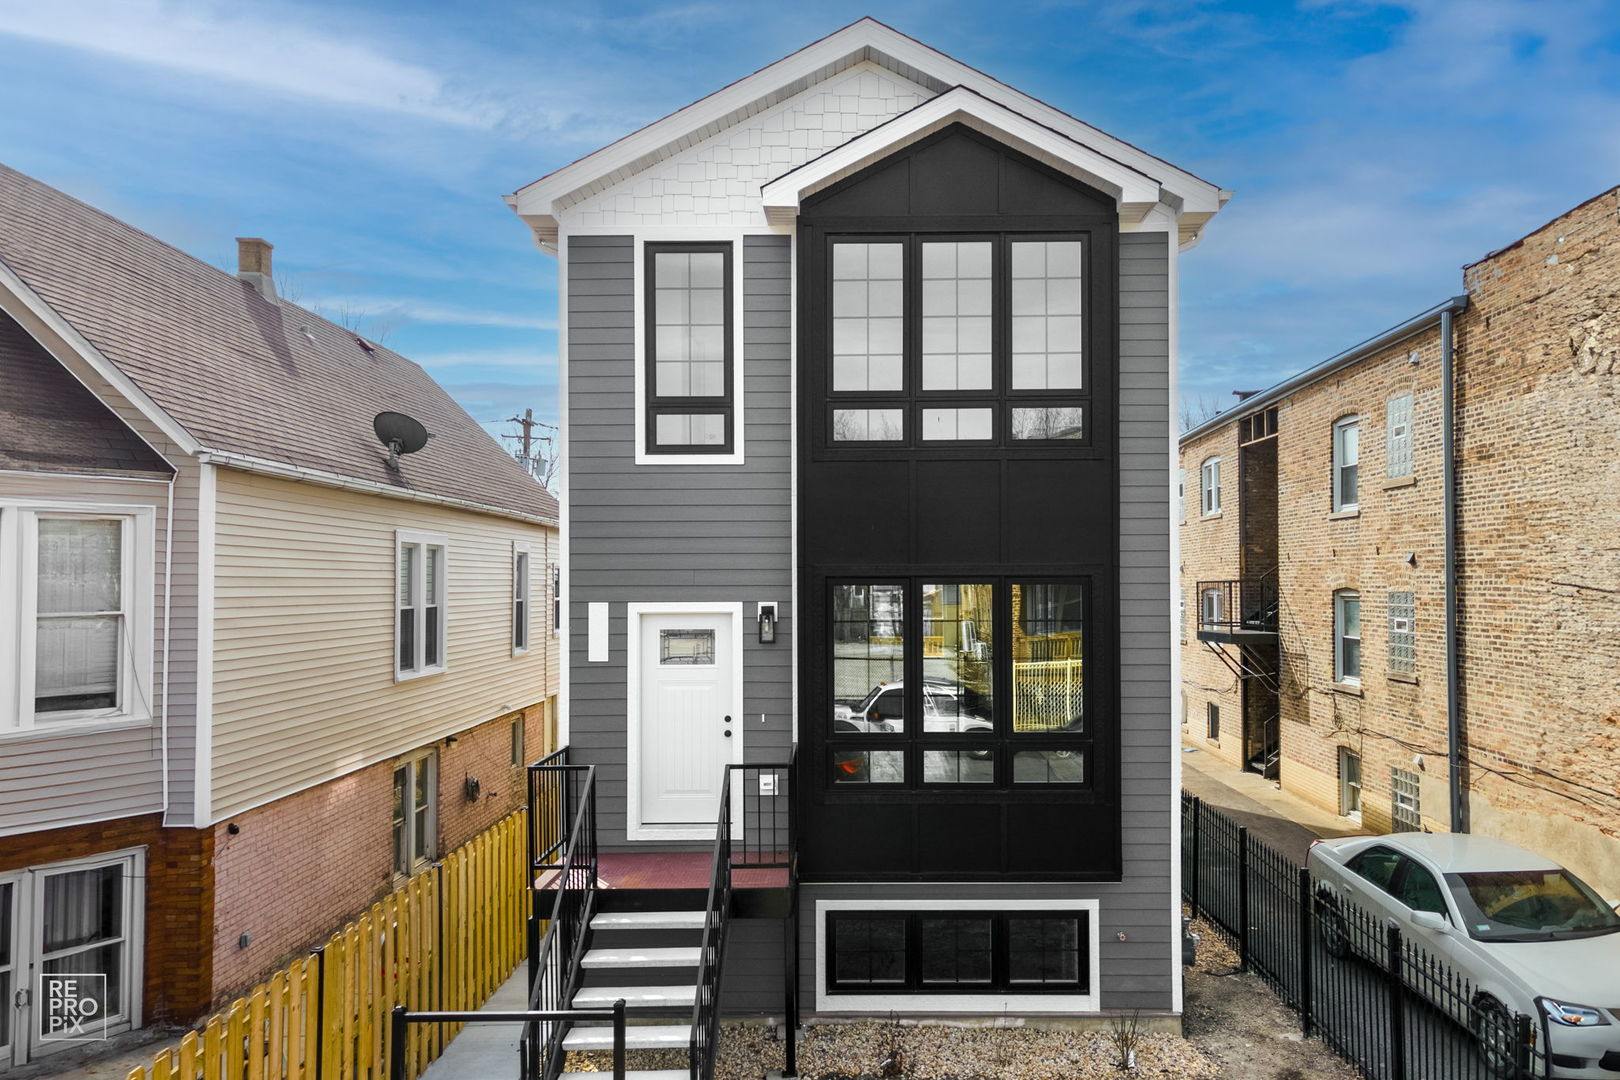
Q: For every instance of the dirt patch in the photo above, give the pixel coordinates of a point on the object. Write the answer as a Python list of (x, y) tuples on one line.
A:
[(1241, 1025)]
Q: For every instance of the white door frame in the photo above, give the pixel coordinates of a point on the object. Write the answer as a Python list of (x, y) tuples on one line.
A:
[(635, 828)]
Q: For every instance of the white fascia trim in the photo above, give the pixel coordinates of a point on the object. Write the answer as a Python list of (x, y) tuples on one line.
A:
[(793, 481), (266, 467), (1135, 191), (734, 237), (537, 201), (635, 829), (23, 304), (993, 1004), (564, 645), (207, 525)]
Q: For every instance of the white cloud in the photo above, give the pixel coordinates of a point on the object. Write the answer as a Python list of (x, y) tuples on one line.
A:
[(536, 360), (397, 310), (236, 44)]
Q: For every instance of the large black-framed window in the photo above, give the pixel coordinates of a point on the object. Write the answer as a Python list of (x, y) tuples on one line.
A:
[(690, 368), (937, 340), (959, 682), (958, 952)]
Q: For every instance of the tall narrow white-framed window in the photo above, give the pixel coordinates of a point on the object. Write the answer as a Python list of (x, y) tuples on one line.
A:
[(1211, 609), (1398, 437), (521, 607), (1347, 637), (76, 643), (556, 600), (1209, 486), (416, 812), (421, 571), (1346, 462)]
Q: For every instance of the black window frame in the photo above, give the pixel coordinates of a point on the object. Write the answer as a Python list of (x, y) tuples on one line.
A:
[(655, 405), (1000, 981), (1000, 397), (914, 740)]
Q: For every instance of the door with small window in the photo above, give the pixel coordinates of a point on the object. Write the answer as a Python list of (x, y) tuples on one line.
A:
[(688, 732)]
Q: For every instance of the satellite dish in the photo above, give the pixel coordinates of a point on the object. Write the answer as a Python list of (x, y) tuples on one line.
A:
[(400, 433)]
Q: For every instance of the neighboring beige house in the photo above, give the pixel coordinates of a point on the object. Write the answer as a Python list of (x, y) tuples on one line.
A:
[(255, 672), (1335, 482)]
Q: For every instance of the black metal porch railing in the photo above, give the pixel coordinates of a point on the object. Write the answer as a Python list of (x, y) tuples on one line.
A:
[(762, 794), (1379, 999), (399, 1059), (564, 869), (1249, 603)]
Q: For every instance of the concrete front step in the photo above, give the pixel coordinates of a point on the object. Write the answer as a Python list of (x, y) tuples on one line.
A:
[(636, 1037), (641, 958), (636, 997), (649, 920)]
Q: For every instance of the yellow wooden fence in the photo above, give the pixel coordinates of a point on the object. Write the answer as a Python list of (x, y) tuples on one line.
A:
[(444, 940)]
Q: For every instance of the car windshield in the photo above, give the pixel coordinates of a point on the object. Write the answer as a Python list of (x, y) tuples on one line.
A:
[(1530, 905)]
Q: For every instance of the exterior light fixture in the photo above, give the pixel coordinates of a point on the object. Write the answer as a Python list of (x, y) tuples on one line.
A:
[(767, 623)]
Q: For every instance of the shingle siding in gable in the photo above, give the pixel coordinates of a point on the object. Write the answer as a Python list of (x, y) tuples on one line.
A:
[(648, 533)]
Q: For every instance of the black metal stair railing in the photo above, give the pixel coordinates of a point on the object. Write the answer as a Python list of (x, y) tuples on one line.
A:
[(769, 842), (563, 865)]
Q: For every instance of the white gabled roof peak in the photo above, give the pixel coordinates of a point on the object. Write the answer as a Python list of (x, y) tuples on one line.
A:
[(973, 95)]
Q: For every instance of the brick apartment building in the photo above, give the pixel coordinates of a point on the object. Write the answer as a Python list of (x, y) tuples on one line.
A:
[(1315, 644)]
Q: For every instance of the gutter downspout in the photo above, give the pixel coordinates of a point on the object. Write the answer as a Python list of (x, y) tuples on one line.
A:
[(1454, 732)]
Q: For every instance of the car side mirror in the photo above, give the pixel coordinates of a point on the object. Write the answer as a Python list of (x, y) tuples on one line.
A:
[(1430, 920)]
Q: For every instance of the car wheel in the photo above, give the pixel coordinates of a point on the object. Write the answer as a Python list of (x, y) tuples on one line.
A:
[(1494, 1039), (981, 755), (1331, 926)]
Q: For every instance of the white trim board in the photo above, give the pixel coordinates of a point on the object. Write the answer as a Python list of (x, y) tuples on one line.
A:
[(994, 1004), (634, 828)]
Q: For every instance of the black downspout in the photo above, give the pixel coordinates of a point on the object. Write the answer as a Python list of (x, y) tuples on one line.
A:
[(1448, 469)]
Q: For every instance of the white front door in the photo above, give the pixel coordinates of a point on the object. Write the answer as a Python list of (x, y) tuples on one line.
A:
[(687, 730)]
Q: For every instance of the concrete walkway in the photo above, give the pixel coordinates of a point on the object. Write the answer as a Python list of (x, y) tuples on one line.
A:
[(487, 1051), (1273, 816)]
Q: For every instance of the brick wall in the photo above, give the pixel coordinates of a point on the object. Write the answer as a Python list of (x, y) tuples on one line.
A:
[(300, 867), (1539, 495), (1209, 552), (179, 900)]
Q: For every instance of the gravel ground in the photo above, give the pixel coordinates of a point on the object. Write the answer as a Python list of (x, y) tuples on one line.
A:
[(1244, 1028), (932, 1052)]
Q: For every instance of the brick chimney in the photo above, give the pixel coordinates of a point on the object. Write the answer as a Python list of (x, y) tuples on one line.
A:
[(253, 264)]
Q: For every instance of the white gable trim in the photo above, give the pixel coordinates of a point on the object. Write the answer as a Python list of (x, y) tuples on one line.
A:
[(1136, 192), (33, 314), (540, 202)]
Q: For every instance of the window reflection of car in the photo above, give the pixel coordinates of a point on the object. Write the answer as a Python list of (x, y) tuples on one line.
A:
[(1528, 935), (883, 711)]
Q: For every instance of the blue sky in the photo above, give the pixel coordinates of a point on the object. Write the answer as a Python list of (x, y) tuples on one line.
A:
[(1374, 147)]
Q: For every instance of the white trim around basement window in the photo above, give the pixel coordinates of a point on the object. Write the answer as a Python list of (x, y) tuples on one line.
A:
[(992, 1004)]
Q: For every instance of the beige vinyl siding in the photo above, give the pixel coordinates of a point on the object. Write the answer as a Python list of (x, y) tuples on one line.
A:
[(304, 687)]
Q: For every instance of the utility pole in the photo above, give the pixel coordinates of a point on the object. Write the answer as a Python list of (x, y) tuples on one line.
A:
[(528, 438)]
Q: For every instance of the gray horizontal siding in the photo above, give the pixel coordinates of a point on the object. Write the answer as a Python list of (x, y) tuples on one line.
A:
[(653, 533)]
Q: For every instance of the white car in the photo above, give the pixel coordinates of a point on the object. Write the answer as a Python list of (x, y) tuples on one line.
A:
[(883, 711), (1530, 936)]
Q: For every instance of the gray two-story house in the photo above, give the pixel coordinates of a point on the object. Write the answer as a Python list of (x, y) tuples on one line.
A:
[(868, 368)]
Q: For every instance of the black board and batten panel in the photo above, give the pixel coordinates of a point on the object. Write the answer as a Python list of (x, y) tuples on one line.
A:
[(672, 532)]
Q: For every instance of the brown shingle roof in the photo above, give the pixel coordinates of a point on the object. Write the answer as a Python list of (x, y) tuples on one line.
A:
[(49, 422), (241, 373)]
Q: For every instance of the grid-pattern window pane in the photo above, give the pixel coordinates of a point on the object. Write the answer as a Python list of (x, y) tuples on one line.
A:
[(956, 333), (1046, 311), (868, 312), (415, 811), (1406, 814), (83, 931), (957, 425), (869, 656), (80, 614), (1347, 637), (690, 429), (689, 320), (1403, 633), (959, 653), (1049, 624), (1398, 437), (1044, 950), (869, 951), (1048, 422), (955, 950), (1346, 463)]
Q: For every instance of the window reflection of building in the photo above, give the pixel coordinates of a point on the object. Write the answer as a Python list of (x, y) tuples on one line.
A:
[(1048, 622)]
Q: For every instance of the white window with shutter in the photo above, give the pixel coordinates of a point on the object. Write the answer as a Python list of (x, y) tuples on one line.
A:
[(1398, 437), (421, 569), (76, 646)]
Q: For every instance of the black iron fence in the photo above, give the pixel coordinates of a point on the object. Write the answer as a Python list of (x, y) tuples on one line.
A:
[(1384, 1003)]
